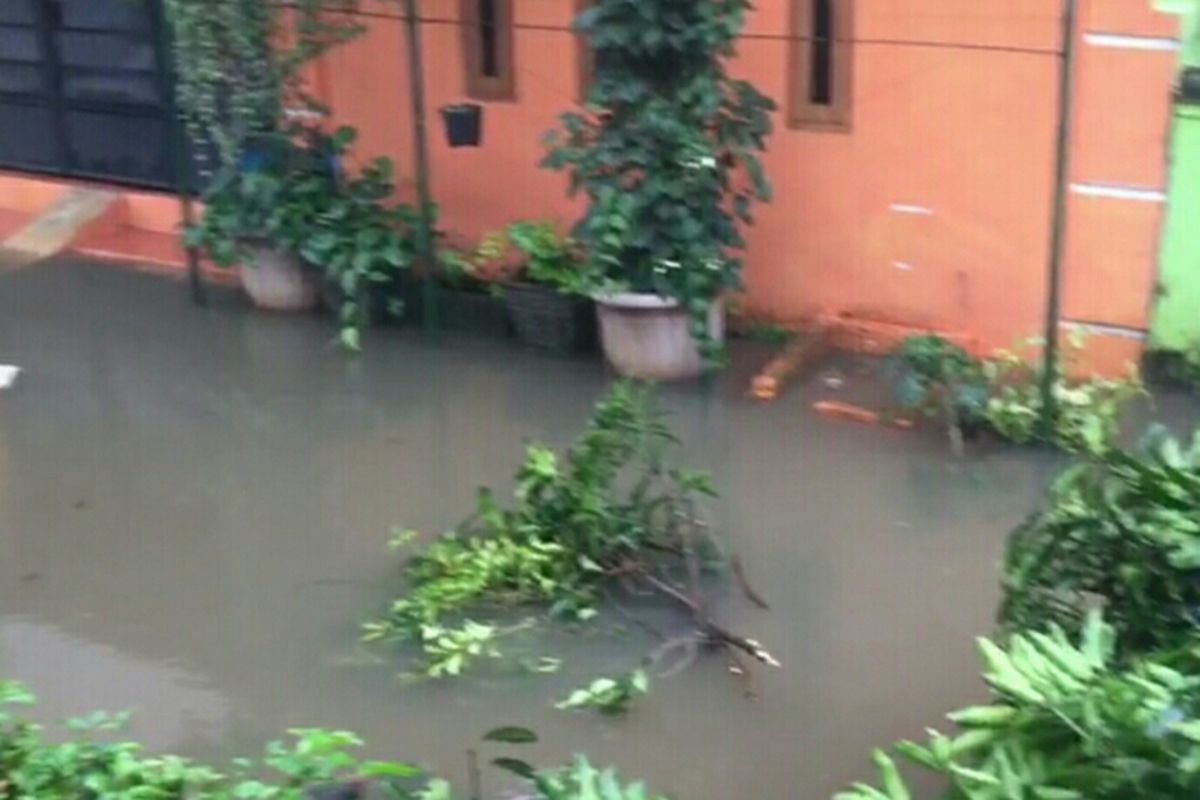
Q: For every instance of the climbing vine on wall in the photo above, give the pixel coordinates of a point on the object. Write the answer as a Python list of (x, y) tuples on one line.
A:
[(239, 67)]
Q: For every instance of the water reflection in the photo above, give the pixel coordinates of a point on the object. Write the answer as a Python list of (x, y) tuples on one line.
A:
[(172, 707)]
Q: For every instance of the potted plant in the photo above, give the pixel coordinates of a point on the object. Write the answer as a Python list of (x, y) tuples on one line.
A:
[(239, 78), (667, 152), (257, 220), (547, 300)]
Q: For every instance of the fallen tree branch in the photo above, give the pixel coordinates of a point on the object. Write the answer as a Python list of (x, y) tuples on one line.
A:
[(714, 632)]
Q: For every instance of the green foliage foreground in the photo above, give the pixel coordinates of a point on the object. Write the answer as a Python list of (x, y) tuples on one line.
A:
[(314, 763), (87, 766), (1097, 687), (1121, 531), (1067, 722)]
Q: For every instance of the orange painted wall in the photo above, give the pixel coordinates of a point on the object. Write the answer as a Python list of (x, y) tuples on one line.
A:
[(1122, 111), (953, 119)]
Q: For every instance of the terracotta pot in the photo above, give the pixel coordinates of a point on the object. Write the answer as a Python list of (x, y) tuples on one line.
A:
[(277, 280), (646, 336)]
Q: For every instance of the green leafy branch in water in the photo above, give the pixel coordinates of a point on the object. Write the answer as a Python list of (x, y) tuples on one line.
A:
[(1067, 722), (582, 780), (609, 696), (940, 379), (609, 514)]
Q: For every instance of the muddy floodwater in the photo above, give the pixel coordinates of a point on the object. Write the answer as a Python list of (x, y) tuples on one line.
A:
[(194, 505)]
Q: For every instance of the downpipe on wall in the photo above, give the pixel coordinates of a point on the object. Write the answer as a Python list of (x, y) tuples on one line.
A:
[(1051, 366)]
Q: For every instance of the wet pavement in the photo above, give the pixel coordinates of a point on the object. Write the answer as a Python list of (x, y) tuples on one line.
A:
[(194, 505)]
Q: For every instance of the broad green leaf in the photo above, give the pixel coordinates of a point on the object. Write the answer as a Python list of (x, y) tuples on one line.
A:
[(511, 735)]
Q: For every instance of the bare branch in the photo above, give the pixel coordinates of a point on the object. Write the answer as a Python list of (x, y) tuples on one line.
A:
[(739, 573)]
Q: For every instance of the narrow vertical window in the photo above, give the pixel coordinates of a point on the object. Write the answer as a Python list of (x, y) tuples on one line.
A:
[(487, 38), (487, 41), (585, 58), (820, 90), (820, 64)]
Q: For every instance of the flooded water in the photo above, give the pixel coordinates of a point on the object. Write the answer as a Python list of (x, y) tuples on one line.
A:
[(194, 506)]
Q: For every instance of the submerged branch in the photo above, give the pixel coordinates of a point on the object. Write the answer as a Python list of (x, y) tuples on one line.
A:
[(739, 573), (712, 631)]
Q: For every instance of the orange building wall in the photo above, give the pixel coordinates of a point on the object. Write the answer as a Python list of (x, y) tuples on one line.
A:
[(934, 211)]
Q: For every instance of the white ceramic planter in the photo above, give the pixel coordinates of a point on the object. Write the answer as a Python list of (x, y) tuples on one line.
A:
[(277, 280), (646, 336)]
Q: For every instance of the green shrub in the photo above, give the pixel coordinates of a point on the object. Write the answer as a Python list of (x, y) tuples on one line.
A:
[(939, 379), (1089, 411), (297, 199), (1067, 722), (1121, 530)]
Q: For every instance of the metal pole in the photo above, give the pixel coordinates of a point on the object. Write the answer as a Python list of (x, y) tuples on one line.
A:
[(1051, 366), (181, 153), (187, 207), (416, 77)]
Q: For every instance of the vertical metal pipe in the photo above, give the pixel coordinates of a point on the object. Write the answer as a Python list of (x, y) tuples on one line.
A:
[(181, 153), (1051, 366), (416, 77)]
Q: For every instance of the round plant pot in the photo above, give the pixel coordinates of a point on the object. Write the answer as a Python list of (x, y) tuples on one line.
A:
[(277, 280), (646, 336)]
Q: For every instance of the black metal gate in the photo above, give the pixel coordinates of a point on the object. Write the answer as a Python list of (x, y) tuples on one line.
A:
[(84, 90)]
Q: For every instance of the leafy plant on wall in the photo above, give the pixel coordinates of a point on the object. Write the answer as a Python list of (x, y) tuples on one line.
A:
[(666, 149), (239, 67)]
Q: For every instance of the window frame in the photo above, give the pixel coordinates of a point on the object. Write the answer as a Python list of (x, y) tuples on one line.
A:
[(501, 87), (836, 116)]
